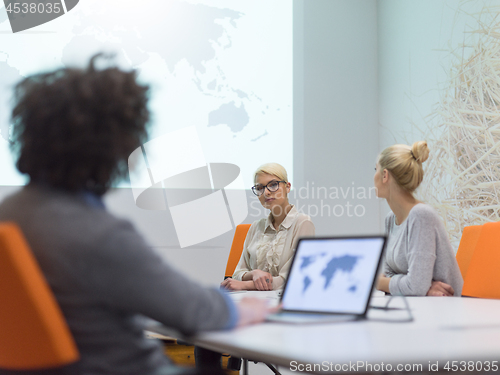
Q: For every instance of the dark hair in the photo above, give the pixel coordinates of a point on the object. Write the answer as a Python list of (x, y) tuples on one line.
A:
[(74, 129)]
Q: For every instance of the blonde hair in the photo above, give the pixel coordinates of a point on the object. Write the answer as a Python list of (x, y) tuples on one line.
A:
[(273, 169), (405, 163)]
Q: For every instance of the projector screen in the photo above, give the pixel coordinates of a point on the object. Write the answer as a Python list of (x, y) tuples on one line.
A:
[(221, 66)]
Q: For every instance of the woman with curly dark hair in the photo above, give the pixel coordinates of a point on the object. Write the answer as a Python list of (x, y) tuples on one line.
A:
[(73, 131)]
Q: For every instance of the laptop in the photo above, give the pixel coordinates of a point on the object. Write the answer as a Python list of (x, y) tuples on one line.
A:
[(330, 279)]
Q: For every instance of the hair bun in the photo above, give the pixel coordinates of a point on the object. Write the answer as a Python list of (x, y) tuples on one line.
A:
[(420, 151)]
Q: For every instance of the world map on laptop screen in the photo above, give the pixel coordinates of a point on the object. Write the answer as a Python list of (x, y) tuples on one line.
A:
[(332, 275)]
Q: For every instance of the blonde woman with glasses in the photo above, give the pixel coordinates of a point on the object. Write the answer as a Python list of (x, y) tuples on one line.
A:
[(270, 242), (419, 259), (269, 245)]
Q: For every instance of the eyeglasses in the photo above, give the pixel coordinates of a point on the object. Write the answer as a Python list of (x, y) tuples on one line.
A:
[(272, 186)]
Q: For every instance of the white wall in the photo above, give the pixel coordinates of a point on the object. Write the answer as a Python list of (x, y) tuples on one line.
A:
[(341, 109), (415, 43)]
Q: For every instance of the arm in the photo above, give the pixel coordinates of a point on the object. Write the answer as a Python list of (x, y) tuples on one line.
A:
[(253, 310), (244, 277), (385, 278), (388, 272), (421, 256), (232, 284), (383, 283), (261, 280), (251, 280), (304, 229), (126, 275), (440, 289)]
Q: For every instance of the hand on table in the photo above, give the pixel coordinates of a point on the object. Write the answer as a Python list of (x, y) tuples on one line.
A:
[(438, 288), (383, 283), (253, 310), (262, 280), (232, 284)]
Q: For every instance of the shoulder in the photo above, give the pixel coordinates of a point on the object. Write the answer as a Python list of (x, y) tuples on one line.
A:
[(303, 222), (257, 228), (100, 234), (389, 219), (66, 210), (423, 213), (424, 218), (258, 225), (297, 217), (301, 218), (303, 226), (76, 222)]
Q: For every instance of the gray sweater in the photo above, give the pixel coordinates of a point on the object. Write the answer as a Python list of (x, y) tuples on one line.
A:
[(418, 252), (106, 278)]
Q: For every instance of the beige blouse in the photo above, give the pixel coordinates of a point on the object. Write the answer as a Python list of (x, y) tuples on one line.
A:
[(271, 250)]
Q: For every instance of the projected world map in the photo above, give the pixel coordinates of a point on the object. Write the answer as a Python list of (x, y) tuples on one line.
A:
[(222, 66)]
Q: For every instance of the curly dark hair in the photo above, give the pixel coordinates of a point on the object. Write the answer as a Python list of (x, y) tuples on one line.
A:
[(74, 129)]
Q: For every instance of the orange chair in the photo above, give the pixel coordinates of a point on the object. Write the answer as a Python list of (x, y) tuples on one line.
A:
[(33, 332), (483, 274), (468, 243), (236, 249)]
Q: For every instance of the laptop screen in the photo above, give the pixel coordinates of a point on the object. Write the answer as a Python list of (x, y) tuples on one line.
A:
[(333, 275)]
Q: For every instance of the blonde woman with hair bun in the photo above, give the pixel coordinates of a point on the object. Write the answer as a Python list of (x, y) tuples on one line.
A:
[(419, 259), (270, 242)]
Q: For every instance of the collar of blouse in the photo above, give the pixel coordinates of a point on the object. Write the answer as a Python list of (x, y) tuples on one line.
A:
[(287, 223)]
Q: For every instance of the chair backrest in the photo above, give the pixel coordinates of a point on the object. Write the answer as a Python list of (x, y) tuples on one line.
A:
[(33, 332), (483, 275), (468, 244), (236, 248)]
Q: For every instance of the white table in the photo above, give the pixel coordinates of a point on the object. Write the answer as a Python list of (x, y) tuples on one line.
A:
[(444, 330)]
